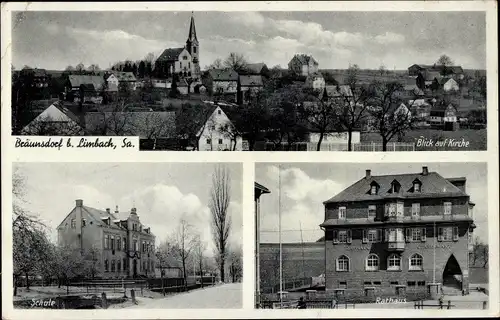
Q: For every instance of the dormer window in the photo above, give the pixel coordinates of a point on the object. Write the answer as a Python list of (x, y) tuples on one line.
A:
[(395, 186), (374, 188), (417, 186), (342, 212)]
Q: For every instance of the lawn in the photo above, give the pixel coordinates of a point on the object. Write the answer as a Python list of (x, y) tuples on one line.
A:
[(440, 140)]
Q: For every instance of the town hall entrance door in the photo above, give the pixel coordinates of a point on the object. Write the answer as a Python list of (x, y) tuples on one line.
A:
[(135, 268), (452, 277)]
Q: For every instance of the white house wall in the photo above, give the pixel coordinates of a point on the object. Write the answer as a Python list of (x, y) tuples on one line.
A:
[(212, 132), (336, 137)]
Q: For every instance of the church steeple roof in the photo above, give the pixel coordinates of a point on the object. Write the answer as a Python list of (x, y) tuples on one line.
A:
[(192, 29)]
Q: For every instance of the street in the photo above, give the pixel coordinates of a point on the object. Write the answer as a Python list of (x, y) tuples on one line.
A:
[(226, 296)]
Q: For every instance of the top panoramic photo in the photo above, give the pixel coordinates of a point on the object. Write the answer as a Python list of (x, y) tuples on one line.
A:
[(253, 81)]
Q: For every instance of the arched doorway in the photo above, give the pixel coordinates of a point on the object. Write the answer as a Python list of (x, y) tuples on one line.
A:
[(452, 276)]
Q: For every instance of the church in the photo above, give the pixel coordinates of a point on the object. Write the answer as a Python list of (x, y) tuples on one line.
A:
[(184, 62)]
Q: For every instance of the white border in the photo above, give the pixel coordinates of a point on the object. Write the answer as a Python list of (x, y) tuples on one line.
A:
[(9, 155)]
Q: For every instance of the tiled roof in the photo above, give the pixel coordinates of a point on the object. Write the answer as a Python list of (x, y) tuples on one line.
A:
[(223, 75), (170, 54), (304, 58), (97, 215), (338, 91), (59, 105), (77, 80), (251, 81), (254, 68), (433, 185), (124, 76)]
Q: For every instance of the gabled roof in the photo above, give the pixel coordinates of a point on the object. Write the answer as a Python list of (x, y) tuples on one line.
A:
[(255, 68), (124, 76), (78, 80), (170, 54), (223, 75), (338, 91), (442, 81), (61, 107), (87, 87), (251, 81), (433, 185), (99, 215)]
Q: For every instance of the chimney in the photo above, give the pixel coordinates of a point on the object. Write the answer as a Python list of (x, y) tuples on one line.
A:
[(108, 210), (133, 211), (425, 171), (368, 174), (79, 203), (116, 210)]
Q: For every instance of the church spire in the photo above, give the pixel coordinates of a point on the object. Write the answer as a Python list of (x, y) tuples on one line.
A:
[(192, 29)]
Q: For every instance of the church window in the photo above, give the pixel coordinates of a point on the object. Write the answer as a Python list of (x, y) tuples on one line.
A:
[(189, 65), (194, 49), (184, 58)]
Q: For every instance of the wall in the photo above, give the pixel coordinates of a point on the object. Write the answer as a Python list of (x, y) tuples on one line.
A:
[(225, 86), (213, 132), (336, 137)]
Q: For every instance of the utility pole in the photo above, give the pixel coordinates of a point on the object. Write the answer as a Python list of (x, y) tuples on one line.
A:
[(279, 232), (302, 246)]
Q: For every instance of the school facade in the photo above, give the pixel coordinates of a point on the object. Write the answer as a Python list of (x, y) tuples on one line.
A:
[(399, 235), (123, 247)]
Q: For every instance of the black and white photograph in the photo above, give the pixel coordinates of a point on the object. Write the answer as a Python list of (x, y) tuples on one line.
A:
[(372, 235), (254, 80), (127, 235)]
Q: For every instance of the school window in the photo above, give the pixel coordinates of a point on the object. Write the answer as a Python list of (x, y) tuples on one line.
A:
[(372, 262), (189, 65), (394, 283), (342, 236), (416, 234), (371, 235), (372, 211), (73, 223), (106, 241), (421, 283), (373, 189), (209, 141), (377, 283), (124, 244), (112, 243), (411, 283), (343, 263), (400, 207), (394, 235), (124, 264), (342, 213), (118, 243), (220, 141), (416, 262), (367, 283), (84, 222), (416, 187), (391, 210), (447, 234), (343, 284), (447, 208), (118, 265), (112, 265), (194, 49), (106, 265), (136, 246), (394, 262), (415, 210)]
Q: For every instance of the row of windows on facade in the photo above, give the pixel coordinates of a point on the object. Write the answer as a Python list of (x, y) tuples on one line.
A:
[(118, 266), (135, 226), (110, 242), (396, 235), (372, 262), (395, 210), (409, 283), (209, 141)]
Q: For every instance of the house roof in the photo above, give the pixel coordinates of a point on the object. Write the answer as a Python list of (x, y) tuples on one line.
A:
[(223, 75), (170, 54), (445, 80), (124, 76), (433, 185), (87, 87), (338, 91), (304, 58), (64, 109), (430, 75), (141, 124), (255, 68), (251, 81), (98, 216), (78, 80)]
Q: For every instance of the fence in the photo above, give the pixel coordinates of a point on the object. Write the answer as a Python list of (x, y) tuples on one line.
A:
[(115, 286), (309, 304), (334, 146)]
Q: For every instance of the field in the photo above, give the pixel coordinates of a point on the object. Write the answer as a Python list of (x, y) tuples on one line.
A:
[(438, 140)]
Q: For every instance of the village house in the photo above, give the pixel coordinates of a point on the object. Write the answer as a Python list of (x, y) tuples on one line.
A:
[(337, 92), (75, 82), (415, 69), (38, 78), (184, 61), (256, 69), (249, 85), (396, 235), (125, 78), (445, 117), (303, 65), (125, 248), (216, 132), (222, 82), (88, 94), (56, 119), (315, 81), (446, 84)]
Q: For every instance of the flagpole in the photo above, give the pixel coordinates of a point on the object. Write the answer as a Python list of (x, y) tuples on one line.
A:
[(279, 232), (434, 253)]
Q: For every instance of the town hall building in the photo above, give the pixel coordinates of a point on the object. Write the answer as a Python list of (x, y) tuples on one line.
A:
[(399, 235), (183, 62), (125, 247)]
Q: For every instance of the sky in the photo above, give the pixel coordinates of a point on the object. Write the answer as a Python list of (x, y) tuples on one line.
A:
[(163, 193), (304, 187), (54, 40)]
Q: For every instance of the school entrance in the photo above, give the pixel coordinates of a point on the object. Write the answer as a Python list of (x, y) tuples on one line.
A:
[(452, 277)]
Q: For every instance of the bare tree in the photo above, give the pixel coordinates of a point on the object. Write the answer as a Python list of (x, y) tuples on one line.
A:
[(183, 244), (221, 220), (217, 64), (236, 263), (390, 116), (92, 261), (382, 70), (93, 68), (70, 263), (80, 67), (235, 61), (229, 130), (199, 256), (164, 259)]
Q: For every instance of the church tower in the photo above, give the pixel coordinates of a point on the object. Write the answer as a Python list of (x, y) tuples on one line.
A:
[(193, 46)]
